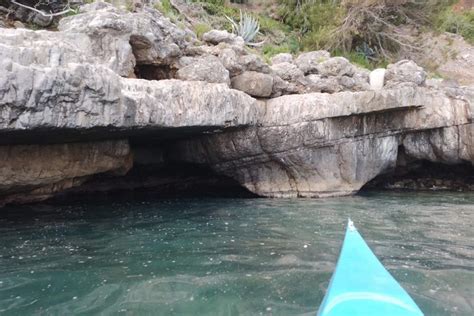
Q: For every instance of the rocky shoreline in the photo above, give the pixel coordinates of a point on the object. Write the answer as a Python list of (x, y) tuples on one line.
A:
[(112, 90)]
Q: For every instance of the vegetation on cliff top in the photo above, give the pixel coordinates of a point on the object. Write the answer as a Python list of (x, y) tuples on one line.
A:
[(368, 32)]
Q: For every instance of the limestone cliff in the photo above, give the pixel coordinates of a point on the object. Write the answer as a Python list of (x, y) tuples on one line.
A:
[(75, 103), (316, 145)]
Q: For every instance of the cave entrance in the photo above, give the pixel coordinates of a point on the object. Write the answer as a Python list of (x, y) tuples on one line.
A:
[(422, 175), (154, 72), (156, 175)]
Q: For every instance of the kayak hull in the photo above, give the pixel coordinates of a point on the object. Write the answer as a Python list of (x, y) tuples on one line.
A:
[(360, 284)]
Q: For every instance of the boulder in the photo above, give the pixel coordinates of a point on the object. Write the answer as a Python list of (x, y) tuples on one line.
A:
[(254, 83), (229, 59), (219, 36), (209, 69), (335, 66), (185, 61), (254, 63), (377, 78), (287, 71), (348, 83), (316, 83), (309, 61), (361, 80), (282, 58), (146, 37), (404, 71), (282, 87)]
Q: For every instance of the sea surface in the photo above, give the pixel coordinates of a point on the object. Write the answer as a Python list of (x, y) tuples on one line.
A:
[(228, 256)]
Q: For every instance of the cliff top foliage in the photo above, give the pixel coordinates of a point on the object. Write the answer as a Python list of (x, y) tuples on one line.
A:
[(368, 32)]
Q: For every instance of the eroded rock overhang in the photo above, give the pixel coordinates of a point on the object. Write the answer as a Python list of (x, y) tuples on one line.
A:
[(319, 145), (73, 106)]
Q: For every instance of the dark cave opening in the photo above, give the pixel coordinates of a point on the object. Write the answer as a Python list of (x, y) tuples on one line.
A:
[(154, 72), (422, 175), (155, 175)]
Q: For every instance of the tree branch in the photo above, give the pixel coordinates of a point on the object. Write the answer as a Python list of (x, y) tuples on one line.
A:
[(49, 15)]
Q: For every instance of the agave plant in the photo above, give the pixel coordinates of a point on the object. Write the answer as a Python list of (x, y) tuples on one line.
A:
[(247, 28)]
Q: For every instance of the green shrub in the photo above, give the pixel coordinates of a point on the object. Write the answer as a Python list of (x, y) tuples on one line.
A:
[(164, 6), (201, 28), (362, 60), (314, 20), (220, 3), (461, 23), (291, 45)]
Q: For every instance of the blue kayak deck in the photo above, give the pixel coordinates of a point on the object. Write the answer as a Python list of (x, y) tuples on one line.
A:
[(360, 284)]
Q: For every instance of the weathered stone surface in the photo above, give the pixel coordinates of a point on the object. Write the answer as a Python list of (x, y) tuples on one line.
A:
[(332, 144), (76, 86), (335, 66), (447, 54), (35, 172), (282, 58), (282, 87), (309, 61), (287, 71), (316, 83), (209, 69), (220, 36), (254, 63), (254, 83), (109, 37), (403, 72), (153, 38), (229, 59), (377, 78), (82, 97), (361, 80), (450, 145)]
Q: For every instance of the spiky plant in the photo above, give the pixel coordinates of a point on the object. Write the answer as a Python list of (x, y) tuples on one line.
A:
[(247, 28)]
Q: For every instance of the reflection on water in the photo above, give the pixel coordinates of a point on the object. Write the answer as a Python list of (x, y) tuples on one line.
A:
[(228, 256)]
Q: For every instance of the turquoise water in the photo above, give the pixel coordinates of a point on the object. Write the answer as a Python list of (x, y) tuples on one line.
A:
[(228, 256)]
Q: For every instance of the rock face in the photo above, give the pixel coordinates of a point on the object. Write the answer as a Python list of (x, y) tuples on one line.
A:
[(75, 103), (86, 97), (217, 36), (282, 58), (209, 69), (36, 172), (319, 145), (107, 36), (308, 62), (449, 54), (404, 72), (254, 83)]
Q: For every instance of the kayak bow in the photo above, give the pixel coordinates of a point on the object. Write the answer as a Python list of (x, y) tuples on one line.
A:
[(360, 285)]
